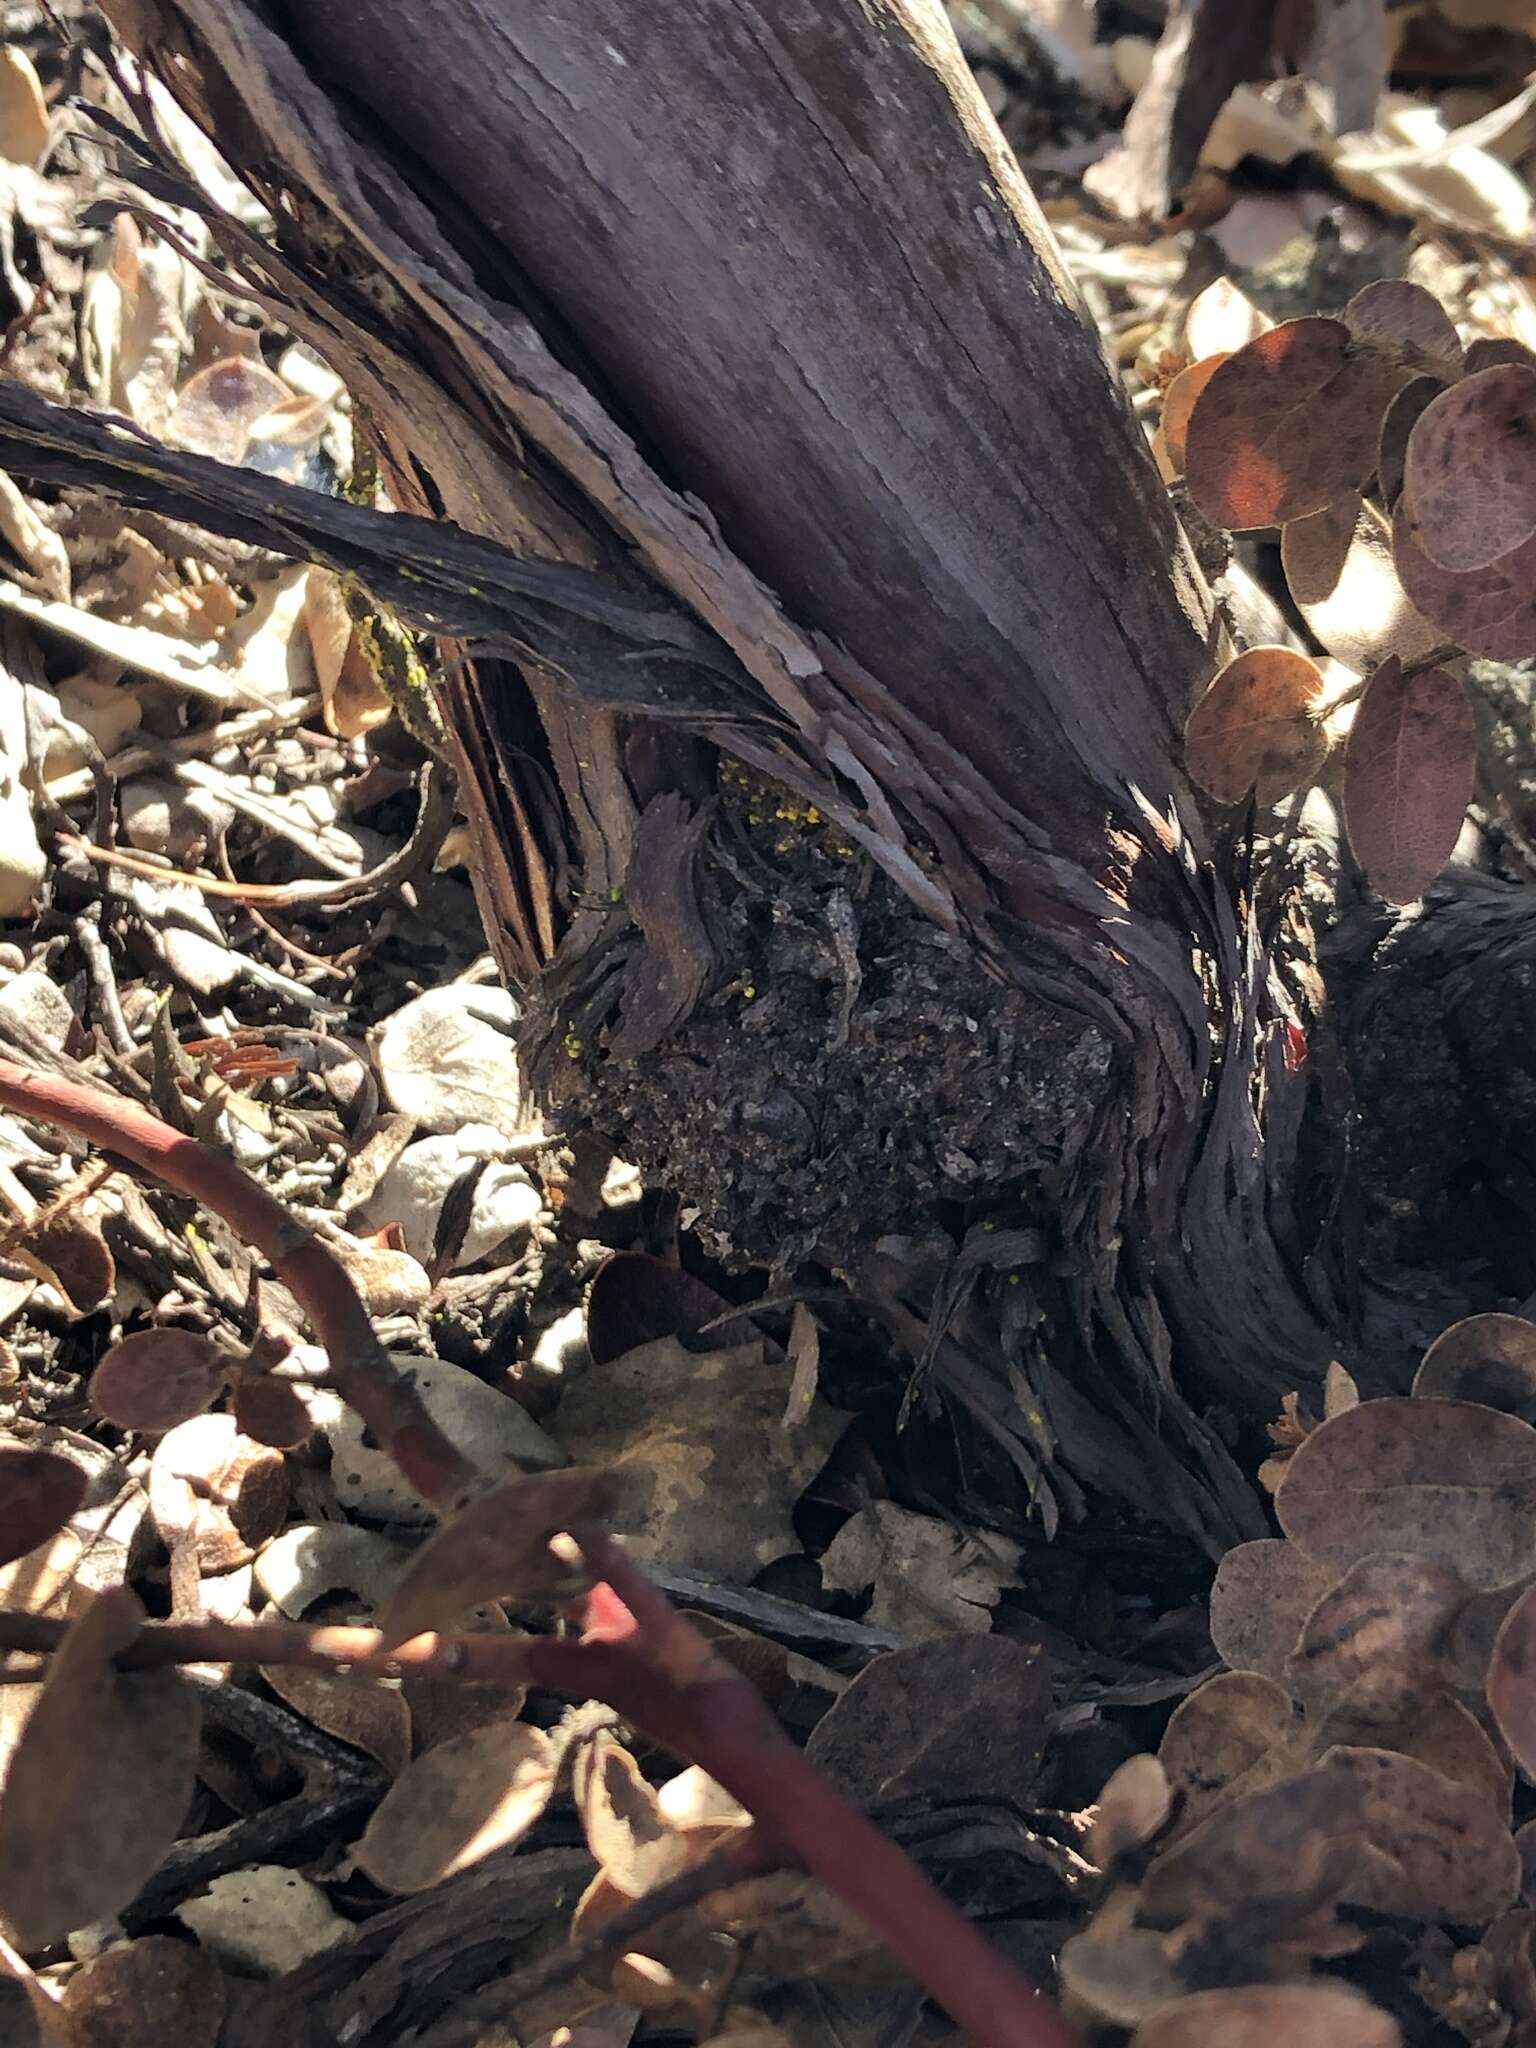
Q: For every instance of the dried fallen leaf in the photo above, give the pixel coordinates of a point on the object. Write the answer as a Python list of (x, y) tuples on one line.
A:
[(216, 408), (1408, 773), (1254, 728), (964, 1715), (1512, 1680), (228, 1494), (69, 1250), (1234, 1734), (1471, 469), (99, 1782), (1397, 425), (23, 110), (1448, 1480), (156, 1379), (1441, 1732), (371, 1717), (1133, 1807), (1121, 1975), (1447, 1854), (1372, 1641), (1263, 2015), (1263, 1592), (497, 1548), (470, 1795), (39, 1491), (351, 696), (1338, 564), (153, 1989), (1489, 1359), (635, 1844), (1288, 424), (1489, 611)]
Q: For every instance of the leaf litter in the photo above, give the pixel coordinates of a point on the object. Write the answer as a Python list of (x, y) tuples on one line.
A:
[(1353, 1761)]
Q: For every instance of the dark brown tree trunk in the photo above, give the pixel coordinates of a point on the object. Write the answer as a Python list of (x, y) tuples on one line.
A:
[(748, 300)]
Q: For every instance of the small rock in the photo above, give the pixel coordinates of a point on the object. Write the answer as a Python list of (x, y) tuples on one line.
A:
[(413, 1190), (33, 1000), (264, 1919), (491, 1427), (160, 816), (448, 1059), (313, 1559)]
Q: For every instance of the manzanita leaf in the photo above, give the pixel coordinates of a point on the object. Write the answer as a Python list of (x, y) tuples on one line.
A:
[(466, 1797), (1254, 729), (39, 1491), (1471, 468), (156, 1379), (1487, 1358), (1408, 773), (1489, 611), (1407, 322)]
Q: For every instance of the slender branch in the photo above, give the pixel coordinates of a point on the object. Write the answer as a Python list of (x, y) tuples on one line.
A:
[(637, 1652)]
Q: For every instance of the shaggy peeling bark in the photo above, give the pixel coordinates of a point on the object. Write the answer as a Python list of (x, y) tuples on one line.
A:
[(750, 302)]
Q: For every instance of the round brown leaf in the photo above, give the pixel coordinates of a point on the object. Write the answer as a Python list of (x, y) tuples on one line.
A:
[(1471, 468), (1133, 1807), (98, 1783), (1408, 773), (153, 1989), (1287, 424), (208, 1481), (1512, 1681), (1439, 1731), (1231, 1735), (270, 1412), (1340, 570), (1447, 1853), (39, 1491), (1373, 1639), (497, 1548), (1490, 1359), (1262, 1594), (71, 1248), (1494, 351), (1266, 2015), (1489, 611), (1407, 324), (1254, 728), (156, 1379), (1448, 1480), (370, 1716), (470, 1795), (1179, 403), (1399, 421), (1121, 1976)]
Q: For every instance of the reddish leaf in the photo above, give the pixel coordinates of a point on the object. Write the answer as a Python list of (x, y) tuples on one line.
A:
[(1288, 424), (1471, 469), (1488, 611), (156, 1379), (1254, 730), (39, 1491), (269, 1410), (1407, 323), (1408, 773), (99, 1782), (1179, 403), (1402, 416)]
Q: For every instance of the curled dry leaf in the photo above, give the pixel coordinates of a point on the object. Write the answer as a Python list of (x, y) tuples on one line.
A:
[(1338, 564), (1489, 611), (1448, 1480), (1179, 403), (963, 1715), (352, 700), (1262, 2015), (1408, 773), (1489, 1359), (270, 1412), (216, 408), (1288, 424), (1255, 728), (228, 1494), (99, 1782), (498, 1548), (156, 1379), (1234, 1734), (1121, 1975), (153, 1989), (466, 1797), (68, 1249), (1262, 1594), (1372, 1641), (1447, 1855), (371, 1717), (39, 1491), (1471, 469), (1132, 1808), (1512, 1680), (634, 1843), (1408, 324)]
